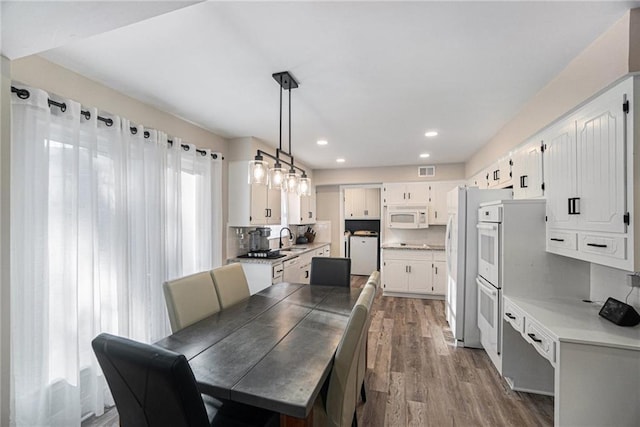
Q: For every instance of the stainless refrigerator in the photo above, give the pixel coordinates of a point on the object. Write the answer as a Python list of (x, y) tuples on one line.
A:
[(461, 247)]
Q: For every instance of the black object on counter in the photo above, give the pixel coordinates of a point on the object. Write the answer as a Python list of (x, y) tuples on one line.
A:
[(619, 313)]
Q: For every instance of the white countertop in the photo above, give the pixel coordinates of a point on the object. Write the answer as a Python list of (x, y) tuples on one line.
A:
[(308, 247), (572, 320), (413, 246)]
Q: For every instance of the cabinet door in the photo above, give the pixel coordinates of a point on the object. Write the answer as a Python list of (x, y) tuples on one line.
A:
[(417, 193), (600, 166), (394, 194), (560, 173), (493, 173), (274, 206), (420, 276), (527, 170), (438, 201), (439, 286), (259, 204), (354, 202), (505, 174), (372, 203), (395, 275)]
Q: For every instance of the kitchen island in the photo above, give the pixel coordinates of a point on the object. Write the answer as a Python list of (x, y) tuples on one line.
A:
[(294, 266)]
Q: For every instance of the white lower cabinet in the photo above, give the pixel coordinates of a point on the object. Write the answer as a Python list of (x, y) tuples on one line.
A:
[(413, 272), (560, 347), (291, 271)]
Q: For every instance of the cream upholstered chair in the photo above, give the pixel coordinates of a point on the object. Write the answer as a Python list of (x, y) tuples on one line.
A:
[(231, 284), (366, 299), (190, 299), (374, 279), (338, 407)]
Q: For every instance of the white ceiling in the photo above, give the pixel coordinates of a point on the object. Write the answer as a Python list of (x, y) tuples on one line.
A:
[(374, 76)]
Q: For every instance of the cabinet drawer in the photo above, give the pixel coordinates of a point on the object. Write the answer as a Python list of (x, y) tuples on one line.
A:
[(562, 240), (276, 272), (513, 315), (541, 340), (611, 246), (490, 214)]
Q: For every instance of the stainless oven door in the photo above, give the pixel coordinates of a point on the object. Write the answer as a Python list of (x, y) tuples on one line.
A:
[(489, 252), (489, 317)]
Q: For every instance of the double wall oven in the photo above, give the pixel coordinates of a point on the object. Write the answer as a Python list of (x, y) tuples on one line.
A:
[(489, 279)]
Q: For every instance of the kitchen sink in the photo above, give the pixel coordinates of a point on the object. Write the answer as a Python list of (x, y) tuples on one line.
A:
[(294, 249)]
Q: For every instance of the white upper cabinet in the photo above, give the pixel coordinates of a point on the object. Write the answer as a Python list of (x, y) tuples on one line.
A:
[(527, 170), (438, 201), (560, 173), (362, 203), (251, 204), (600, 166), (408, 193), (301, 209), (588, 177), (499, 174)]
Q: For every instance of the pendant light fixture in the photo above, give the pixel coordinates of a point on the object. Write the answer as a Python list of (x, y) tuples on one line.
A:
[(277, 177)]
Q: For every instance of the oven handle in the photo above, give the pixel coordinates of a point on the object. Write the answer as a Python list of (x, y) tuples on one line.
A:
[(488, 289), (485, 226)]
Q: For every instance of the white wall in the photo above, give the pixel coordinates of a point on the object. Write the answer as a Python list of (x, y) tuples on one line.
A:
[(610, 282), (378, 175), (602, 63), (5, 161)]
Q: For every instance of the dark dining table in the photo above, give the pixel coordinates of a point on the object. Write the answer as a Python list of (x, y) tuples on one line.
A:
[(274, 350)]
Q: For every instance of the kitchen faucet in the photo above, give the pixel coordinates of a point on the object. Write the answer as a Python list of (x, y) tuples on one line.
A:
[(290, 235)]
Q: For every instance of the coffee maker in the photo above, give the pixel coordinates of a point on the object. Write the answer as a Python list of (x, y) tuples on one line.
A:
[(259, 244)]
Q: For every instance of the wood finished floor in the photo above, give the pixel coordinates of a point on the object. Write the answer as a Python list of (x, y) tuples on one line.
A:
[(416, 377)]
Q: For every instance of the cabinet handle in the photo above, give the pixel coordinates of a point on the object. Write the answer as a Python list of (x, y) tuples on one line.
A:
[(310, 214), (436, 270), (436, 212), (510, 316), (556, 239), (406, 268), (366, 212), (306, 274), (409, 196), (574, 206), (597, 245), (533, 337), (524, 181), (409, 269), (404, 195)]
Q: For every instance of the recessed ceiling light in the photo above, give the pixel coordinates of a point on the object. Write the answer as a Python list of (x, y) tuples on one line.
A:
[(431, 134), (340, 160), (322, 142), (424, 155)]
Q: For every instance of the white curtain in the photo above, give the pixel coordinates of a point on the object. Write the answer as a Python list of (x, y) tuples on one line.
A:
[(101, 216)]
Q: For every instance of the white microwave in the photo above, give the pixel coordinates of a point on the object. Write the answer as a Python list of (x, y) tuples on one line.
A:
[(407, 217)]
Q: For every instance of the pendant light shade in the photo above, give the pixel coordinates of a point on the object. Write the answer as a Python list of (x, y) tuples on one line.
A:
[(291, 181), (258, 170), (304, 186), (276, 177)]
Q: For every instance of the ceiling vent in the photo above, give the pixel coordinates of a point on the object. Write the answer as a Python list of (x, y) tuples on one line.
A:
[(426, 171)]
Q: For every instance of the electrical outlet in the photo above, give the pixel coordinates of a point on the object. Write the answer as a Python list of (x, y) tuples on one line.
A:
[(634, 280)]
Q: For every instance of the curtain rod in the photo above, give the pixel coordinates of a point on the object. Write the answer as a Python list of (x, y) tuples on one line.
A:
[(24, 94)]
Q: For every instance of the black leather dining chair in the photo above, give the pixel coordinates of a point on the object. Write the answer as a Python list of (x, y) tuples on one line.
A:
[(155, 387), (329, 271)]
